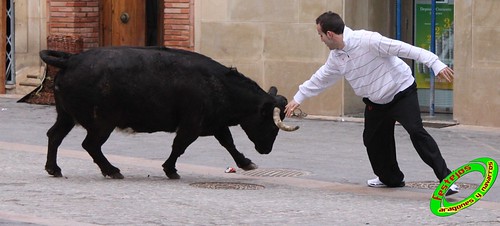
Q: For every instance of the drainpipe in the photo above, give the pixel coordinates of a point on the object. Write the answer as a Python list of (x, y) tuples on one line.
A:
[(433, 49), (398, 19)]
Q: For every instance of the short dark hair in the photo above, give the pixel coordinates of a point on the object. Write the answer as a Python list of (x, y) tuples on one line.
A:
[(330, 21)]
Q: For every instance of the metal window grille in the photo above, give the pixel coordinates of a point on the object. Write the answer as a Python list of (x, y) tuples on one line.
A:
[(10, 60)]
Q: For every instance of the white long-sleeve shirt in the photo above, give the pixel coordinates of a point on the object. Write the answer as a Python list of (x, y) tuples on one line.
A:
[(371, 63)]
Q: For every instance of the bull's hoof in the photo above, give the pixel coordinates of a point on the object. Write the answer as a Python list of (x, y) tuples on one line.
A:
[(56, 172), (250, 166), (174, 176), (116, 176), (171, 173), (112, 172)]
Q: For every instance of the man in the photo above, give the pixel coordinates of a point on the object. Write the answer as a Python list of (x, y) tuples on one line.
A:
[(370, 63)]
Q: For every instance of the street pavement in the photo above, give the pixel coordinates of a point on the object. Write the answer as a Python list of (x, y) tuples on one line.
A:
[(329, 188)]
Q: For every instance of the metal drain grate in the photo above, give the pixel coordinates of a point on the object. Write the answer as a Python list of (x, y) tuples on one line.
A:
[(274, 173), (433, 185), (227, 185)]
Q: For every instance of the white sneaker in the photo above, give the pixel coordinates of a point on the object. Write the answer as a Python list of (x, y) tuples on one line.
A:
[(376, 183), (453, 190)]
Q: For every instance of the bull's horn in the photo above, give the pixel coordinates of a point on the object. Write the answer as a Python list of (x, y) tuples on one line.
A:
[(280, 124)]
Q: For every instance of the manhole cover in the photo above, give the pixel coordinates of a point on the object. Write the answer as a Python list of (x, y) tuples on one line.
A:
[(433, 185), (227, 185), (274, 173)]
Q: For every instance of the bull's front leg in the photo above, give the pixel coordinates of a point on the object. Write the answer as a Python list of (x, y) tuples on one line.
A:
[(92, 144), (181, 141), (226, 140)]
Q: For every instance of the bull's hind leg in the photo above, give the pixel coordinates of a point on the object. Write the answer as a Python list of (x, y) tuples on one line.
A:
[(56, 134), (92, 144), (226, 140)]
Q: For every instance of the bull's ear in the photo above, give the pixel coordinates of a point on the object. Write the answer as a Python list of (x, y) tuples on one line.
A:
[(281, 101), (273, 91)]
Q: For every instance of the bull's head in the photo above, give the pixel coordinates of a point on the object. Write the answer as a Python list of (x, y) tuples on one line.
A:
[(262, 128), (279, 110)]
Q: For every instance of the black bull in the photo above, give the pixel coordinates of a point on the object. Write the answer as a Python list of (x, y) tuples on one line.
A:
[(151, 89)]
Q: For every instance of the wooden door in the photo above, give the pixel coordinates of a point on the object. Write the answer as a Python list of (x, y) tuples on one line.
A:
[(124, 22)]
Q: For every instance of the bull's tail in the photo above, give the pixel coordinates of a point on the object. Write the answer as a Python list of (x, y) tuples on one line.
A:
[(55, 58)]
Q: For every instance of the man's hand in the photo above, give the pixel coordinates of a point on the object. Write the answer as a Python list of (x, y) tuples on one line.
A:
[(447, 73), (290, 107)]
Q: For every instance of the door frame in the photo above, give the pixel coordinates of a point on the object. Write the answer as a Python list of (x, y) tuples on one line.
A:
[(159, 22), (3, 45)]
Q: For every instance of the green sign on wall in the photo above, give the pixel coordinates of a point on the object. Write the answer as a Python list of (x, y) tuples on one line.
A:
[(444, 40)]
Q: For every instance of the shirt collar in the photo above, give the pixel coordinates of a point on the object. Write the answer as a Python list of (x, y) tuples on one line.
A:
[(347, 38), (347, 41)]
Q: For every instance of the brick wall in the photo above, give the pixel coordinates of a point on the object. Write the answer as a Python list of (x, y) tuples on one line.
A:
[(81, 18), (77, 17), (179, 24)]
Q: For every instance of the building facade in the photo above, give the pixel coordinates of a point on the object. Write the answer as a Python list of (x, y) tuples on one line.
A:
[(273, 42)]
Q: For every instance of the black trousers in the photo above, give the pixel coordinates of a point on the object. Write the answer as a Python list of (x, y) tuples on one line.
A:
[(378, 137)]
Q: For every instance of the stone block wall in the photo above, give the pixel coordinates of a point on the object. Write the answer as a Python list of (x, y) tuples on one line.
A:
[(274, 42), (477, 63)]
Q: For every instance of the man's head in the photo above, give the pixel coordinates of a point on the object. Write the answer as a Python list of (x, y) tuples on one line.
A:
[(331, 21), (330, 28)]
